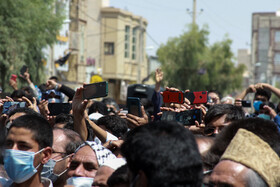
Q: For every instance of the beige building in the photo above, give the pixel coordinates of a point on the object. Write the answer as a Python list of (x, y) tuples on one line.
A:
[(77, 63), (266, 47), (244, 57), (123, 56)]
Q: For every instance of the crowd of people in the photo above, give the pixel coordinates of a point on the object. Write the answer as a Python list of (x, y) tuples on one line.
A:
[(96, 143)]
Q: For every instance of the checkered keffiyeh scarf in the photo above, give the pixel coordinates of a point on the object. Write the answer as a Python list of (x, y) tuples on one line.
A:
[(103, 154)]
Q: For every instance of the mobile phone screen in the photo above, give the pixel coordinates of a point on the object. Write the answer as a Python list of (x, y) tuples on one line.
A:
[(246, 103), (95, 90), (23, 69), (58, 108), (189, 117), (9, 106), (134, 106)]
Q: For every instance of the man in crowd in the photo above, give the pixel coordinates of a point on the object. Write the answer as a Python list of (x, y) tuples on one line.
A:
[(27, 149), (65, 142), (106, 170), (262, 95), (162, 154), (219, 116), (247, 161), (264, 129), (86, 161)]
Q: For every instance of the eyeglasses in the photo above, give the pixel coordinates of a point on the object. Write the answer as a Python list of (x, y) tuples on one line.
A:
[(59, 155)]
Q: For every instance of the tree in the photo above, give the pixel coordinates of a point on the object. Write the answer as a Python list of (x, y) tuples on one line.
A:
[(190, 63), (26, 27)]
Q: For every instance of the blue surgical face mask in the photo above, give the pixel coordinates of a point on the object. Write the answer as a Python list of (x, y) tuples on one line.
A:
[(264, 116), (80, 181), (257, 105), (49, 167), (19, 164)]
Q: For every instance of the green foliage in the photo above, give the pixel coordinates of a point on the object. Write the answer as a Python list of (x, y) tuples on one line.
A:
[(26, 27), (188, 62)]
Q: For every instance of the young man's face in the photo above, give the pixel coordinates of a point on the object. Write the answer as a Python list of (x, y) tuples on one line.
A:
[(20, 138)]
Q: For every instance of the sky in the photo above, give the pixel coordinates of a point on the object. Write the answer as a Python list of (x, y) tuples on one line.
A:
[(169, 18)]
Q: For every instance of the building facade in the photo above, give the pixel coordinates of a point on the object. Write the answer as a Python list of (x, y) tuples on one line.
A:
[(123, 56), (244, 57), (106, 43), (266, 47)]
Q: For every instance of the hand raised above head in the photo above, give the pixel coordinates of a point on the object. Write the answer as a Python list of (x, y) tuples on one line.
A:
[(78, 103), (135, 121)]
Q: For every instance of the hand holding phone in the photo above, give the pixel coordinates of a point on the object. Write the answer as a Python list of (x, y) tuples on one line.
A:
[(173, 97), (134, 106), (23, 70), (95, 90), (14, 77), (197, 97), (9, 106), (186, 118)]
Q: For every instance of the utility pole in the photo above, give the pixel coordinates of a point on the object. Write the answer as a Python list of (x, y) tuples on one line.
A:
[(194, 12), (140, 54)]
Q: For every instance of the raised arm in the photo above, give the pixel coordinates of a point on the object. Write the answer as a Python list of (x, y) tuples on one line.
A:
[(273, 89), (79, 113), (69, 92)]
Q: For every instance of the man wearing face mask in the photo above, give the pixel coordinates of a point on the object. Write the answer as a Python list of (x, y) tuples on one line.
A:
[(27, 148), (262, 94), (65, 142)]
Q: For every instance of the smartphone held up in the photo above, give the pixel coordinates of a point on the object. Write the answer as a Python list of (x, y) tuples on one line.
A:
[(95, 90)]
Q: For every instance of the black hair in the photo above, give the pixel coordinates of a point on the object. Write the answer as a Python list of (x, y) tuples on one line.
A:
[(118, 177), (263, 92), (111, 101), (24, 110), (41, 129), (232, 113), (265, 129), (42, 87), (28, 92), (114, 123), (18, 94), (99, 107), (166, 152), (67, 119), (54, 78), (216, 92)]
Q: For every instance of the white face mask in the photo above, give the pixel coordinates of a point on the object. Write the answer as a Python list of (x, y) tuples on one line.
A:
[(80, 181)]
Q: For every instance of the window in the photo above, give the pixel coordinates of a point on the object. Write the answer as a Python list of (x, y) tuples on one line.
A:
[(134, 37), (277, 58), (277, 36), (126, 41), (108, 48)]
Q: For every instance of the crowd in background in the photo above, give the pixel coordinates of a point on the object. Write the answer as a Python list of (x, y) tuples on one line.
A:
[(97, 143)]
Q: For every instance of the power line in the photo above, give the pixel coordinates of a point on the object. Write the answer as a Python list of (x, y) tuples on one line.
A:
[(152, 39)]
